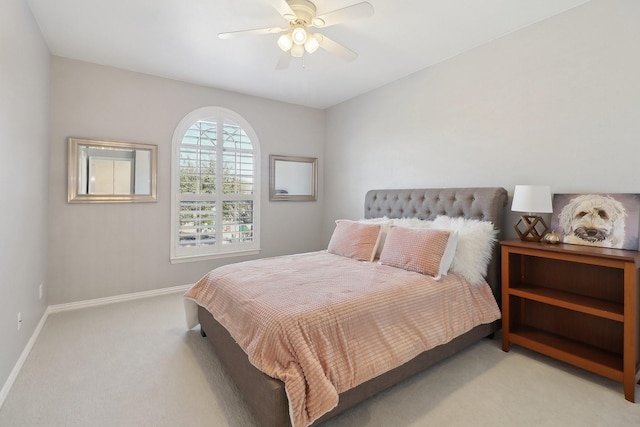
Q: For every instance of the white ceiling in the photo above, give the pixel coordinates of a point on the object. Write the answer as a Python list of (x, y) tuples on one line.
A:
[(178, 39)]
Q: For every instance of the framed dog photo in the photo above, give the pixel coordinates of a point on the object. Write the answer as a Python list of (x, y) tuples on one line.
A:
[(606, 220)]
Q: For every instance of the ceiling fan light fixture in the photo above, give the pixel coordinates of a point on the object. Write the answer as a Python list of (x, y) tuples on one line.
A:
[(312, 44), (285, 42), (318, 22), (299, 35)]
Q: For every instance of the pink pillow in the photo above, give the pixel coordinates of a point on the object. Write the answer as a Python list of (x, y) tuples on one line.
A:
[(355, 240), (423, 250)]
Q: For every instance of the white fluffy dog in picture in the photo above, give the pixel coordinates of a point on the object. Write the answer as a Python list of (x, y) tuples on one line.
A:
[(594, 220)]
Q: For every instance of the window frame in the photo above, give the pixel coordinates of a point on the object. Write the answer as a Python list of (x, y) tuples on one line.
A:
[(218, 115)]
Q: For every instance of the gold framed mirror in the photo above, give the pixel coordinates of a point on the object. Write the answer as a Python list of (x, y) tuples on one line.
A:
[(293, 178), (101, 171)]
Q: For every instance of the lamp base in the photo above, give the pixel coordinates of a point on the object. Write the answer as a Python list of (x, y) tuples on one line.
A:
[(531, 228)]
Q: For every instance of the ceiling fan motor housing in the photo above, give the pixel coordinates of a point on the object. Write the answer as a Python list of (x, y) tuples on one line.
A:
[(305, 11)]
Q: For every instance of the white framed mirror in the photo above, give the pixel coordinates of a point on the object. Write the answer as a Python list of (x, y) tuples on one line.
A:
[(293, 178), (102, 171)]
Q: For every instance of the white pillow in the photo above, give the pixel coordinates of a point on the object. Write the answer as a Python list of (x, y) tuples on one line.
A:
[(475, 244), (449, 253), (412, 223)]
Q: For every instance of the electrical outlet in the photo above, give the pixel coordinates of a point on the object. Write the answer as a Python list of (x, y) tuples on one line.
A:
[(19, 320), (41, 290)]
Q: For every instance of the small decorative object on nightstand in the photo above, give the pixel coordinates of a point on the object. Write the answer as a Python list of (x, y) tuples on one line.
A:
[(531, 199), (551, 237)]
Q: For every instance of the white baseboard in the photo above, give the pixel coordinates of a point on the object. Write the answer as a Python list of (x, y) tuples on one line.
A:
[(117, 298), (23, 357), (4, 392)]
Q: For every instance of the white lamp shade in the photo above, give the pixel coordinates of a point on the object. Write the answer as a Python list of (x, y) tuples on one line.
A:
[(312, 44), (297, 50), (299, 35), (532, 199), (285, 42)]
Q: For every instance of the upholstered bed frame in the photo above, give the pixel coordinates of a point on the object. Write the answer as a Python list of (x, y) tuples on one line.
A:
[(266, 396)]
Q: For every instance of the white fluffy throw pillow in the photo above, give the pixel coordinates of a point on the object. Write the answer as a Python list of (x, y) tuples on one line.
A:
[(475, 244)]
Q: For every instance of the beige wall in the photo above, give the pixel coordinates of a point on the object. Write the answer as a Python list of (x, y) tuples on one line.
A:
[(100, 250), (555, 103), (24, 135)]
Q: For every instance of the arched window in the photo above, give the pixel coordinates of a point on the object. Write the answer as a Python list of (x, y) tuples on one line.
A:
[(215, 192)]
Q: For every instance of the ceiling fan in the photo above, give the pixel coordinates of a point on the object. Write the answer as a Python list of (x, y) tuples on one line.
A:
[(297, 38)]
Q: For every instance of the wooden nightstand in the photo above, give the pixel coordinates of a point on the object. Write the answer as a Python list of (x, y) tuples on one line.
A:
[(578, 304)]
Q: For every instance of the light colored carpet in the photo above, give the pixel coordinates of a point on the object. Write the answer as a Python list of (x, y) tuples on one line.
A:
[(135, 364)]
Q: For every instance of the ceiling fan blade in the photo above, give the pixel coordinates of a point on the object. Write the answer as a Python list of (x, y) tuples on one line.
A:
[(283, 9), (336, 48), (338, 16), (232, 34), (284, 61)]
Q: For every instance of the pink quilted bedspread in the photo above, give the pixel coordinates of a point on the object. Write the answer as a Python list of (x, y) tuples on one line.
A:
[(323, 324)]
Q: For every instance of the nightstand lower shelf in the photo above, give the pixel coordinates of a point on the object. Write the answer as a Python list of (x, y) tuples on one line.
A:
[(583, 356)]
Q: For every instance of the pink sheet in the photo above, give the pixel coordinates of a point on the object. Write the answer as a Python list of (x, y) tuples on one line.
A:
[(322, 323)]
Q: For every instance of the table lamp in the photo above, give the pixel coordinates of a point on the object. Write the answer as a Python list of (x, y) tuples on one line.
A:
[(531, 199)]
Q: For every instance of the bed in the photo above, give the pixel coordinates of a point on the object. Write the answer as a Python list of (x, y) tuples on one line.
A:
[(266, 396)]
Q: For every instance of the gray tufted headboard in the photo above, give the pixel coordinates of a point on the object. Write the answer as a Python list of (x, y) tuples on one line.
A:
[(485, 204)]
